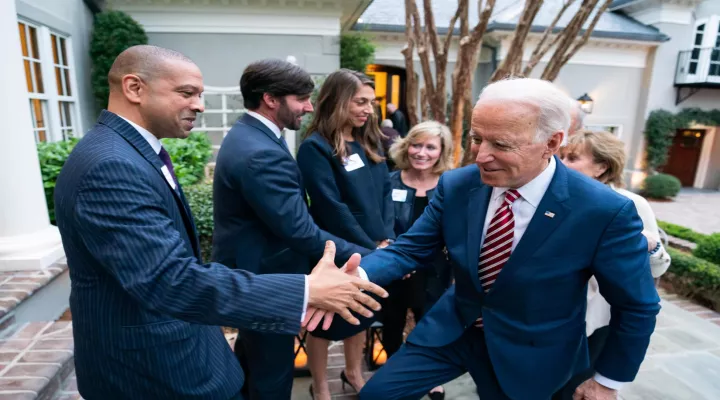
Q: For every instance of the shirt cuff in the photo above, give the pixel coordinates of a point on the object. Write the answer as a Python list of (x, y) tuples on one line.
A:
[(608, 383), (305, 299), (362, 273)]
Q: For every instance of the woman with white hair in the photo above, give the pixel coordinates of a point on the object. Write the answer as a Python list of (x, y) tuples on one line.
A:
[(421, 157)]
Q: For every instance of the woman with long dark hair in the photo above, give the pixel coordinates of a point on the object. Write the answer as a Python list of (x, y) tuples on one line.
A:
[(346, 177)]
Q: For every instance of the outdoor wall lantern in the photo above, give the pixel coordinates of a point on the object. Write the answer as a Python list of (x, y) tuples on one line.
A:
[(586, 103)]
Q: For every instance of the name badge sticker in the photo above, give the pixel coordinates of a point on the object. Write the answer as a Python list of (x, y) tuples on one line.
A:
[(399, 195), (353, 162)]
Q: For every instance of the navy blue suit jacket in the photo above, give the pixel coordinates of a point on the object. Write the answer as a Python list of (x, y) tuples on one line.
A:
[(262, 221), (143, 305), (534, 315), (355, 205)]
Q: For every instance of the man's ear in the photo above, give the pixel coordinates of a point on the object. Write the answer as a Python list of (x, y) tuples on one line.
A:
[(133, 88), (270, 101), (554, 143)]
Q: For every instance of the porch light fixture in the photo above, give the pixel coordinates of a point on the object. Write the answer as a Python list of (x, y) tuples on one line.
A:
[(586, 103)]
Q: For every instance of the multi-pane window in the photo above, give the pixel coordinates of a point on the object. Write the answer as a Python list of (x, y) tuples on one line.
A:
[(50, 82)]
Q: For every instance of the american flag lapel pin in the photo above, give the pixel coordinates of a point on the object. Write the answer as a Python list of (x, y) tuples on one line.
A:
[(549, 214)]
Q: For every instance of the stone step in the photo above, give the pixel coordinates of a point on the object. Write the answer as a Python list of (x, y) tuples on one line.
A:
[(35, 360)]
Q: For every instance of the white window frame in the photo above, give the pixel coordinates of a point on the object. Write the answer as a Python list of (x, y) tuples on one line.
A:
[(51, 98)]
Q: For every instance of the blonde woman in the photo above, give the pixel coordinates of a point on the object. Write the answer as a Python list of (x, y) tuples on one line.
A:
[(420, 157), (601, 156)]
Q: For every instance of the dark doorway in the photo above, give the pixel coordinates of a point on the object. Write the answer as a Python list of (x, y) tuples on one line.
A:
[(684, 155), (389, 87)]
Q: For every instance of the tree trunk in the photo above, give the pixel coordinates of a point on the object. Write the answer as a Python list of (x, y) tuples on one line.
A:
[(411, 89), (423, 53), (424, 104), (513, 60), (463, 74)]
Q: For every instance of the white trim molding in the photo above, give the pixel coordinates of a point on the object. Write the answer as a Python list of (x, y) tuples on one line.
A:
[(652, 12), (705, 155)]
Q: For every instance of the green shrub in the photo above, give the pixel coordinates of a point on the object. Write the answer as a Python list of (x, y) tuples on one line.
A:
[(660, 186), (52, 157), (189, 157), (694, 277), (709, 248), (113, 32), (200, 199), (681, 232), (356, 52)]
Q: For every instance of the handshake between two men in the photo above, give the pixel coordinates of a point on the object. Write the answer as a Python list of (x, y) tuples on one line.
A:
[(333, 290)]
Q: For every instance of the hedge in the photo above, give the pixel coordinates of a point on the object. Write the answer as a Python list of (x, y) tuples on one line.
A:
[(695, 278), (681, 232), (708, 248), (661, 186), (200, 199)]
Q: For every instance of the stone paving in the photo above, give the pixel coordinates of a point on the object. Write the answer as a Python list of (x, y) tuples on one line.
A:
[(15, 287), (695, 209)]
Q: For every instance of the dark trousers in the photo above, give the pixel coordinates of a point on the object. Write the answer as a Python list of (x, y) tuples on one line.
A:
[(403, 295), (596, 343), (268, 362), (414, 370)]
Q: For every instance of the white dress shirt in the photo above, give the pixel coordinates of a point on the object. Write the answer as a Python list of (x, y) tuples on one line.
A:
[(157, 146)]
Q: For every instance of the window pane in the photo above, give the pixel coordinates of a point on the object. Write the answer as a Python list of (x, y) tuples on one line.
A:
[(58, 79), (23, 39), (701, 28), (65, 114), (693, 67), (34, 43), (28, 76), (38, 77), (41, 136), (695, 54), (68, 88), (698, 39), (37, 109), (714, 69), (53, 39), (64, 52)]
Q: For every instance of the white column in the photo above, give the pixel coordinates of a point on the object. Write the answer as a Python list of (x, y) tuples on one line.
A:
[(27, 240)]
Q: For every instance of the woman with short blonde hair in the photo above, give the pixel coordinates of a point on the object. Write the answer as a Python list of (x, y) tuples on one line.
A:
[(421, 157), (601, 156)]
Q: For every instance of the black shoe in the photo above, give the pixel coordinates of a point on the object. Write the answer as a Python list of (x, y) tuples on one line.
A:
[(345, 381), (436, 395), (312, 395)]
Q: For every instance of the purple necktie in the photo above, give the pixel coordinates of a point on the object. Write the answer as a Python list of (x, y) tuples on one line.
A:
[(165, 157)]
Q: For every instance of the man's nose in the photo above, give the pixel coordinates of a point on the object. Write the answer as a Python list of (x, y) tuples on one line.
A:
[(198, 105), (484, 155), (309, 107)]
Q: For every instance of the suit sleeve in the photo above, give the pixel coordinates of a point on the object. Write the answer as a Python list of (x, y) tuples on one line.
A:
[(413, 250), (316, 168), (125, 225), (624, 279), (275, 196), (388, 209)]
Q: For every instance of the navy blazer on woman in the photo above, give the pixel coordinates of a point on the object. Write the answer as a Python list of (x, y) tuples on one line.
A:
[(142, 303), (261, 214), (355, 205)]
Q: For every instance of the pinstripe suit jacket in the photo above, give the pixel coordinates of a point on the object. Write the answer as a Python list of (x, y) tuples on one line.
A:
[(143, 305)]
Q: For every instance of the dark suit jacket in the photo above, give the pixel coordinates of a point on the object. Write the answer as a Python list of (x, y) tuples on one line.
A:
[(143, 305), (262, 221), (534, 316), (355, 205)]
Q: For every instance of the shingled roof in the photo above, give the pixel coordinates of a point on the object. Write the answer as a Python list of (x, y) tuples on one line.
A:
[(389, 16)]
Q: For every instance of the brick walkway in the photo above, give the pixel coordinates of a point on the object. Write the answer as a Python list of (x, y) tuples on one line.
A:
[(17, 286), (695, 209)]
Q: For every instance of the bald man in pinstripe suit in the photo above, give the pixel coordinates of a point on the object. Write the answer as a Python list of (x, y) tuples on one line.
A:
[(145, 309)]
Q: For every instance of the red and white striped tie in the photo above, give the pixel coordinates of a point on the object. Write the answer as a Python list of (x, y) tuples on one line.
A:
[(496, 249)]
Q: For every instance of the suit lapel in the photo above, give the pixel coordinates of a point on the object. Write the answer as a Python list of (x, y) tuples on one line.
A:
[(143, 147), (541, 225), (257, 124), (477, 205)]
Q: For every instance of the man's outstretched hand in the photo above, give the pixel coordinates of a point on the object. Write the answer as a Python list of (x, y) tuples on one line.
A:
[(333, 290)]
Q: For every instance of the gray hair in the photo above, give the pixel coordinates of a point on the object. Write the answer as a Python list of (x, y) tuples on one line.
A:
[(386, 123), (552, 103)]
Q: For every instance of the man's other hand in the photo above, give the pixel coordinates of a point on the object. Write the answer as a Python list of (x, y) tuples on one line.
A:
[(591, 390), (339, 291)]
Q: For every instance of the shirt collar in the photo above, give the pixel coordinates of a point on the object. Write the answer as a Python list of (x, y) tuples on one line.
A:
[(274, 128), (151, 139), (533, 191)]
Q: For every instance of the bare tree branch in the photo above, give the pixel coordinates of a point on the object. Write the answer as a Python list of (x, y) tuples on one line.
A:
[(586, 36), (540, 51), (512, 61)]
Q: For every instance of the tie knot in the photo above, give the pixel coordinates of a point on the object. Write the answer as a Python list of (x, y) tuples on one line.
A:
[(511, 195), (164, 155)]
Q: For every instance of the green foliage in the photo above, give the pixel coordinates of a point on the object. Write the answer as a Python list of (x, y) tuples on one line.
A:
[(661, 126), (307, 118), (681, 232), (113, 32), (189, 156), (694, 277), (356, 52), (200, 199), (52, 157), (709, 248), (660, 186)]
